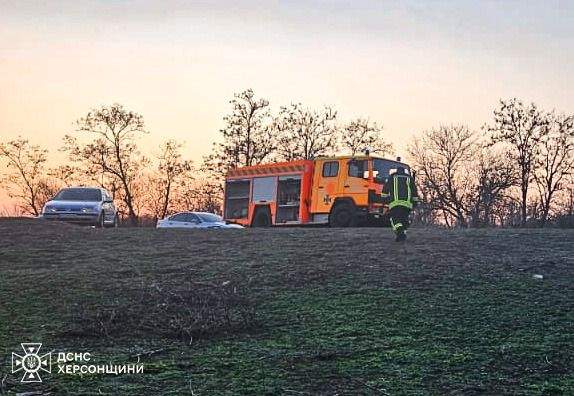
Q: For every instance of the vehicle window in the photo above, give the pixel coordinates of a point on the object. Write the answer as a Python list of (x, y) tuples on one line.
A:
[(383, 168), (264, 189), (79, 194), (209, 217), (191, 218), (178, 217), (357, 168), (330, 169)]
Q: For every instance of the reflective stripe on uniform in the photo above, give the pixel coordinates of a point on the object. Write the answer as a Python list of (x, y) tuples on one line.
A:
[(400, 203), (397, 201), (395, 226)]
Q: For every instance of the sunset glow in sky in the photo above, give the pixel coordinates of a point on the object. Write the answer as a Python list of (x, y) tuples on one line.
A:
[(410, 65)]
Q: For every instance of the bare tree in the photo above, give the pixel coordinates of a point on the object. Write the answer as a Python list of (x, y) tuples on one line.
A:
[(304, 133), (65, 175), (27, 174), (361, 134), (555, 162), (567, 197), (56, 178), (246, 136), (165, 180), (208, 196), (112, 153), (522, 128), (200, 193), (459, 177), (506, 211), (426, 212), (441, 157), (494, 176)]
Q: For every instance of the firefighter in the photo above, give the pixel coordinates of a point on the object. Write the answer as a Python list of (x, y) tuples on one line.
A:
[(400, 193)]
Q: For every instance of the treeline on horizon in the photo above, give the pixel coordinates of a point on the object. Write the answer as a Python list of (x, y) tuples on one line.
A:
[(515, 171)]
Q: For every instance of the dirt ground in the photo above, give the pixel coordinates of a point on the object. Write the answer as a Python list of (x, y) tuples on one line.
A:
[(291, 310)]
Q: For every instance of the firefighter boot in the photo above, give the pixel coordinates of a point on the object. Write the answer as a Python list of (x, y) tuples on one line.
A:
[(399, 230), (401, 235)]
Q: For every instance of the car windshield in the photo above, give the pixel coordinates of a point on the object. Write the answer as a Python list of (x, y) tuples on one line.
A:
[(383, 168), (79, 194), (209, 217)]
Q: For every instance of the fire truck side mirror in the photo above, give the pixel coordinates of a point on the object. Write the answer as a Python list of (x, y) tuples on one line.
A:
[(366, 174)]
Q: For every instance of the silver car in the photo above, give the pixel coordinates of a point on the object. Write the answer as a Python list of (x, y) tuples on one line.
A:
[(202, 220), (83, 205)]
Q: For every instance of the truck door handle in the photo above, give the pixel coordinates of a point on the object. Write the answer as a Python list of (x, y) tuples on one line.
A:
[(320, 187), (346, 186)]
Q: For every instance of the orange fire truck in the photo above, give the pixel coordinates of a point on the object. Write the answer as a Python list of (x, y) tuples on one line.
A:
[(339, 191)]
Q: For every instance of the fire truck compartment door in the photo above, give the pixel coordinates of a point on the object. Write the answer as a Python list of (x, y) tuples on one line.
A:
[(264, 189)]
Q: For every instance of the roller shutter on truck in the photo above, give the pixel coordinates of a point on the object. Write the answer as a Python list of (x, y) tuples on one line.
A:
[(288, 199), (237, 199)]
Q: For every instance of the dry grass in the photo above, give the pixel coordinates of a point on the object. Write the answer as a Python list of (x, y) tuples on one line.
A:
[(194, 310), (294, 311)]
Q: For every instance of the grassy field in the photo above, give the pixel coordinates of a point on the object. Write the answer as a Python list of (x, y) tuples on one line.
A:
[(292, 311)]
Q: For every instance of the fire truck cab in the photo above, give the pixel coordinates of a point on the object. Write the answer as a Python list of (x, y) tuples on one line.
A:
[(339, 191)]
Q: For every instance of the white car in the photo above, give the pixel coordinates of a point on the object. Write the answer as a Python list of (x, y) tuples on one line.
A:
[(195, 220)]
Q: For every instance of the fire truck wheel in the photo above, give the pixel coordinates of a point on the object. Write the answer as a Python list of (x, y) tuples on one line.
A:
[(342, 215), (262, 218)]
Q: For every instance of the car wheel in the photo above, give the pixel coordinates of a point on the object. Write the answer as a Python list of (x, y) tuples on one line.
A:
[(100, 223), (342, 215), (115, 223)]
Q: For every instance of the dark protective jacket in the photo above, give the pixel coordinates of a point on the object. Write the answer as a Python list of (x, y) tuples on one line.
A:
[(400, 190)]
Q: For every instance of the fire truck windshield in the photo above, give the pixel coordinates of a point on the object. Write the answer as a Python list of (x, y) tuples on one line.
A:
[(382, 168)]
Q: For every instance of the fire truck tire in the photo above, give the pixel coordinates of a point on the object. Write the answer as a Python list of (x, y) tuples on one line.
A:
[(343, 214), (262, 218)]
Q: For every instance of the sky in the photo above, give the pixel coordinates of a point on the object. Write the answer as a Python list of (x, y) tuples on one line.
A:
[(409, 65)]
